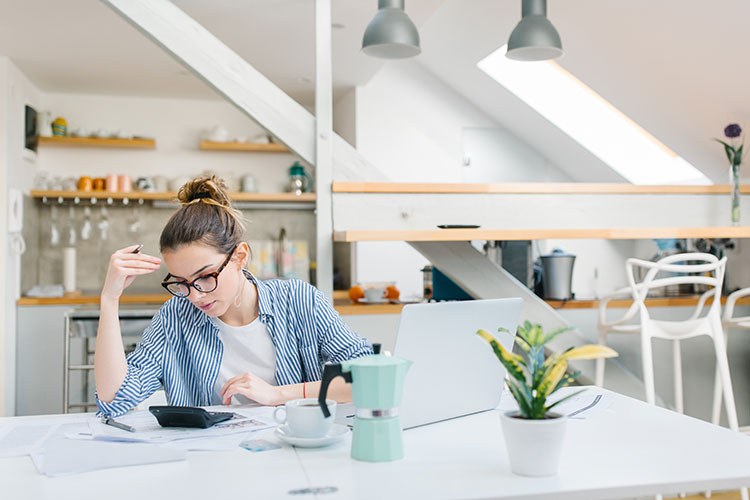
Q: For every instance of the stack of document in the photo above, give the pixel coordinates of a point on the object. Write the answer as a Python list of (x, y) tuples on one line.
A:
[(148, 430), (72, 444)]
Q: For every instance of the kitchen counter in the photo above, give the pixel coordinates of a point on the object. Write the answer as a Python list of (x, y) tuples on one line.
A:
[(342, 304), (345, 307)]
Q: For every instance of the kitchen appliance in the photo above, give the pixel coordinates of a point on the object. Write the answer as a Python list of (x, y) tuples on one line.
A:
[(557, 275), (377, 386), (30, 129), (444, 288), (667, 247), (299, 182)]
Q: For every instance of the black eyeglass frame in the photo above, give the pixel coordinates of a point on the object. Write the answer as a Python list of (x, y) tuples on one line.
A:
[(191, 284)]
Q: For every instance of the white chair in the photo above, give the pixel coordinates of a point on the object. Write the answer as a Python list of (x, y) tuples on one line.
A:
[(696, 268), (729, 320), (629, 323), (688, 268), (624, 324)]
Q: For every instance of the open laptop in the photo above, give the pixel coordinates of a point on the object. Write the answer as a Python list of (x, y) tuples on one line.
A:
[(455, 372)]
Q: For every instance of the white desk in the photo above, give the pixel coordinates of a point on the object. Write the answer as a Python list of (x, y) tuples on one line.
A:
[(629, 450)]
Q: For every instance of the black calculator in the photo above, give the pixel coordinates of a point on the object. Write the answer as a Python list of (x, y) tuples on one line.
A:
[(188, 416)]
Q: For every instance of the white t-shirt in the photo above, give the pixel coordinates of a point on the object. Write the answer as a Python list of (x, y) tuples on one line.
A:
[(247, 348)]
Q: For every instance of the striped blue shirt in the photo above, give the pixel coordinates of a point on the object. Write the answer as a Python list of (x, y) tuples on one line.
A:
[(181, 349)]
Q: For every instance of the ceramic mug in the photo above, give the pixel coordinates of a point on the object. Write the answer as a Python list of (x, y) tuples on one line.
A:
[(125, 183), (111, 183), (375, 294), (248, 184), (85, 183), (304, 418), (161, 183)]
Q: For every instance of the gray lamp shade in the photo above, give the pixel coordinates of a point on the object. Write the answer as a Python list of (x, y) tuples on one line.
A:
[(391, 34), (534, 38)]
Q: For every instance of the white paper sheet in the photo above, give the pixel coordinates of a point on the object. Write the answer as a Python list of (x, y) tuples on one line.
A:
[(63, 457), (18, 438), (148, 429)]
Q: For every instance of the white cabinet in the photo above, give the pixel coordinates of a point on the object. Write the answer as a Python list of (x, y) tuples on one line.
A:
[(39, 359)]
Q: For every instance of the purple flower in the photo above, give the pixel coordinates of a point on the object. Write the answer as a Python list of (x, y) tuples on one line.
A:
[(732, 130)]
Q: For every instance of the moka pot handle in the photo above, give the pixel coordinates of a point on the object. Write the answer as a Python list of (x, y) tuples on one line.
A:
[(329, 373)]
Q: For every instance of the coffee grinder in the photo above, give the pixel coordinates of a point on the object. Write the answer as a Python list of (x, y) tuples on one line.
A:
[(377, 386)]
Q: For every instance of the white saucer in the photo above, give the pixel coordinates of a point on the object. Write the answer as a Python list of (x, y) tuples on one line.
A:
[(338, 432), (376, 301)]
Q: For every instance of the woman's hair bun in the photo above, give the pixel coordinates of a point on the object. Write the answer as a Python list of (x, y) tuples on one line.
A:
[(204, 188)]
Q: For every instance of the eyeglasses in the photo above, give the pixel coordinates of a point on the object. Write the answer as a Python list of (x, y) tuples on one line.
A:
[(204, 284)]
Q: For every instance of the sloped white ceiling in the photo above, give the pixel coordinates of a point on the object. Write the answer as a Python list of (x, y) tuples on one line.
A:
[(676, 67), (81, 46)]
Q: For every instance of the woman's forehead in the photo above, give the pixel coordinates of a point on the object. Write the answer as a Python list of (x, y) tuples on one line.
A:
[(185, 260)]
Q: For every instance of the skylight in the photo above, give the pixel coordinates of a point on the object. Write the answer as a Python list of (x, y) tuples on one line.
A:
[(591, 121)]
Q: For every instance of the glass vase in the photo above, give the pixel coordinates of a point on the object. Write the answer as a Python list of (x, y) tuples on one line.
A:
[(735, 179)]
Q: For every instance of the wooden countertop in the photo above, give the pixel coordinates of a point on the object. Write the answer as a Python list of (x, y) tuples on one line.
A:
[(341, 302), (346, 307), (624, 233)]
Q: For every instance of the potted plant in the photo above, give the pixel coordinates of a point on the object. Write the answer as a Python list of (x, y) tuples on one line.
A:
[(534, 434)]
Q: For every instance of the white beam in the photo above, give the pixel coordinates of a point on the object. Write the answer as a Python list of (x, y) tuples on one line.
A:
[(241, 84), (323, 147)]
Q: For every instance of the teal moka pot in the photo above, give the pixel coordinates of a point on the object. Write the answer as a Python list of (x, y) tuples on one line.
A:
[(377, 385)]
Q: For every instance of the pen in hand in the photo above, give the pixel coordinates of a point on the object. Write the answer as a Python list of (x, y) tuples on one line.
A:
[(119, 425), (138, 249)]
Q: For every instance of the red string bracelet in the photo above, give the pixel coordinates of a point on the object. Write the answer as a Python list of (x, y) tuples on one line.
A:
[(303, 390)]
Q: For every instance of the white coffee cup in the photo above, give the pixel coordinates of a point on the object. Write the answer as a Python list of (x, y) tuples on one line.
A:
[(375, 294), (304, 418)]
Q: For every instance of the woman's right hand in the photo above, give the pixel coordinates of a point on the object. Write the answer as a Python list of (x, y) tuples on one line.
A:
[(124, 266)]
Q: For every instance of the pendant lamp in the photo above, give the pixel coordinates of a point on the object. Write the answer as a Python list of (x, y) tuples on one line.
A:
[(534, 38), (391, 34)]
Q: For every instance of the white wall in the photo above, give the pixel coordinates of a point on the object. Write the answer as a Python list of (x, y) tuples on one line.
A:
[(16, 172), (345, 116), (6, 373), (176, 124), (410, 125)]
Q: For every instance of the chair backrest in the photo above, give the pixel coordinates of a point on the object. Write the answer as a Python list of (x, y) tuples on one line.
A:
[(684, 268)]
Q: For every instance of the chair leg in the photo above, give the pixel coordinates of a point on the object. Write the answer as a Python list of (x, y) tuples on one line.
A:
[(726, 381), (716, 409), (599, 367), (648, 366), (677, 367)]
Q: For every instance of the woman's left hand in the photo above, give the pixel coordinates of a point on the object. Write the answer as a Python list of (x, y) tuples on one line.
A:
[(252, 387)]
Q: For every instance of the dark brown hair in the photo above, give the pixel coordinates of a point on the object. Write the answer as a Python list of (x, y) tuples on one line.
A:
[(206, 216)]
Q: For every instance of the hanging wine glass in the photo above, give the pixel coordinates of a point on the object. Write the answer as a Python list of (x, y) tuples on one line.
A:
[(72, 236), (134, 221), (86, 227), (54, 231), (103, 224)]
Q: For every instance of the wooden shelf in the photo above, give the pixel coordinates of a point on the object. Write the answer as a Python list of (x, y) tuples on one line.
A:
[(169, 196), (625, 233), (346, 307), (156, 298), (528, 188), (680, 301), (252, 147), (343, 306), (96, 142)]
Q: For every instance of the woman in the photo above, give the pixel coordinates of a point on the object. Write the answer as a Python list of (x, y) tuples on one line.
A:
[(225, 336)]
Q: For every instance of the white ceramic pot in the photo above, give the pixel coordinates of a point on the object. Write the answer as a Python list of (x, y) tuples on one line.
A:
[(534, 446)]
